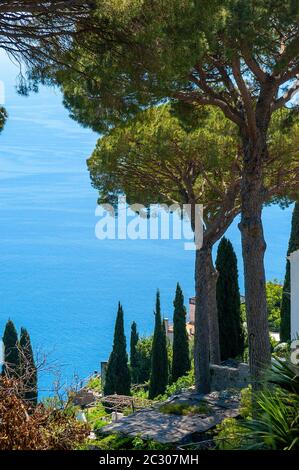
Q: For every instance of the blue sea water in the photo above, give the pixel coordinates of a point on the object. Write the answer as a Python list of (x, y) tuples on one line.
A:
[(56, 278)]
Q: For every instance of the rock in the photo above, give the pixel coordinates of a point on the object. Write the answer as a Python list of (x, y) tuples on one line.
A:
[(150, 423), (84, 397), (224, 377), (116, 416)]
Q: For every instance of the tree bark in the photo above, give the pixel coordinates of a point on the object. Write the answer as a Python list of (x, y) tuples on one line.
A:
[(213, 315), (206, 323), (253, 249)]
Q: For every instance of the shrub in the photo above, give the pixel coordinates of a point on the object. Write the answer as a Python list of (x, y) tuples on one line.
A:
[(95, 383), (274, 298), (246, 402), (118, 442), (275, 424), (181, 384), (230, 434), (183, 409), (23, 427), (144, 354), (97, 416), (281, 350), (140, 444)]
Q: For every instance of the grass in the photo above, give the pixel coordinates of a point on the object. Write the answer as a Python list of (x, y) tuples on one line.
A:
[(183, 409), (94, 383), (97, 416), (118, 442)]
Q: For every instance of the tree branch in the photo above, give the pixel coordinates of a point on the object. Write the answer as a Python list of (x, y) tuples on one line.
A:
[(246, 97), (252, 64), (195, 97)]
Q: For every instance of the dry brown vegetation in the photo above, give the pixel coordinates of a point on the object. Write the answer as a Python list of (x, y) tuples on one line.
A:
[(26, 427)]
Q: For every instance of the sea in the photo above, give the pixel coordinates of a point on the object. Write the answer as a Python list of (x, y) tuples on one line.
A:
[(57, 279)]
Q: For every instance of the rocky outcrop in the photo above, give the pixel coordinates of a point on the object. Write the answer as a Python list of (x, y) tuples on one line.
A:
[(225, 377), (150, 423)]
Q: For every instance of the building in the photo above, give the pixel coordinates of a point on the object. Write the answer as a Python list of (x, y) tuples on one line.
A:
[(192, 310), (189, 324), (294, 272)]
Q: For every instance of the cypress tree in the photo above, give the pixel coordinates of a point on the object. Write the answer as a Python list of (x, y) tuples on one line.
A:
[(159, 365), (133, 353), (28, 370), (180, 357), (285, 312), (228, 302), (118, 379), (11, 350)]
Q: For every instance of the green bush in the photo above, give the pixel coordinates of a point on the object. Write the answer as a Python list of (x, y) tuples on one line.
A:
[(274, 298), (181, 384), (111, 442), (230, 434), (118, 442), (281, 350), (276, 422), (183, 409), (246, 402), (140, 392), (140, 444), (97, 416), (143, 355), (95, 383)]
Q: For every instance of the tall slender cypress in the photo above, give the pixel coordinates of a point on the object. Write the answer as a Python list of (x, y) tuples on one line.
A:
[(28, 371), (180, 348), (133, 353), (285, 313), (159, 366), (228, 302), (118, 379), (11, 350)]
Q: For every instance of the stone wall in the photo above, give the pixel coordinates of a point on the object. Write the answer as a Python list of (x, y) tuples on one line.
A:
[(294, 260), (224, 377)]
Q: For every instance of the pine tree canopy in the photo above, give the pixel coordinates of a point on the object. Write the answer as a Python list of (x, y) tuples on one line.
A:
[(192, 52), (160, 158)]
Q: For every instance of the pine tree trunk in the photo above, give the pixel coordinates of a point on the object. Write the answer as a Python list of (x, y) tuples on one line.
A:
[(253, 249), (213, 315), (205, 301)]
